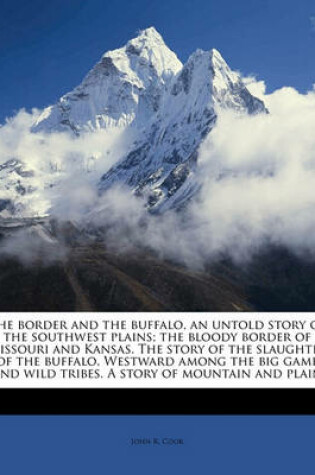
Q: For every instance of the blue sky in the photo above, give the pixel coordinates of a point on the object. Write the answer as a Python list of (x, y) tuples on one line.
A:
[(46, 47)]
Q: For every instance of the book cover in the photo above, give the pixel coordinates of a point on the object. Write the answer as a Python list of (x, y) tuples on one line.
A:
[(156, 236)]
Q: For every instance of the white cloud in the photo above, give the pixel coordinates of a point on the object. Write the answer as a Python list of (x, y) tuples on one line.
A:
[(255, 87), (64, 163), (258, 175)]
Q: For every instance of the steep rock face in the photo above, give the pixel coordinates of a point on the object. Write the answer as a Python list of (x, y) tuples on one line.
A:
[(18, 184), (124, 87), (170, 109), (160, 165)]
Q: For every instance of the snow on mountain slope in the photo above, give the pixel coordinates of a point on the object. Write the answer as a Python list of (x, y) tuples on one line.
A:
[(167, 155), (124, 87), (170, 109), (21, 190)]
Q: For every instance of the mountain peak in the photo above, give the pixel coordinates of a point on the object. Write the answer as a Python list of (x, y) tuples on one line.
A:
[(129, 85), (148, 39), (217, 60), (126, 86), (169, 109), (148, 48), (149, 33), (216, 54)]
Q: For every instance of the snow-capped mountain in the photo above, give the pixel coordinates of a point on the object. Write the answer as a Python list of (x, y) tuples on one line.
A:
[(125, 87), (167, 152), (170, 108), (21, 190)]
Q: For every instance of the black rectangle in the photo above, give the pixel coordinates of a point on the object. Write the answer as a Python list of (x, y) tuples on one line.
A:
[(157, 401)]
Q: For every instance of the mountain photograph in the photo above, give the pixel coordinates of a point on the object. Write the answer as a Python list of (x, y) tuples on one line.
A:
[(155, 183)]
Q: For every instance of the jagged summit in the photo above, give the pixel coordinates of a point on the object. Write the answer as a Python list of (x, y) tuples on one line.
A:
[(170, 107), (150, 47), (214, 53), (150, 32), (162, 165), (124, 87), (147, 38), (131, 84)]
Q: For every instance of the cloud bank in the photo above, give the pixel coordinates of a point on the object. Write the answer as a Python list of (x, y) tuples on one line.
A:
[(258, 188), (65, 167), (257, 175), (260, 175)]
